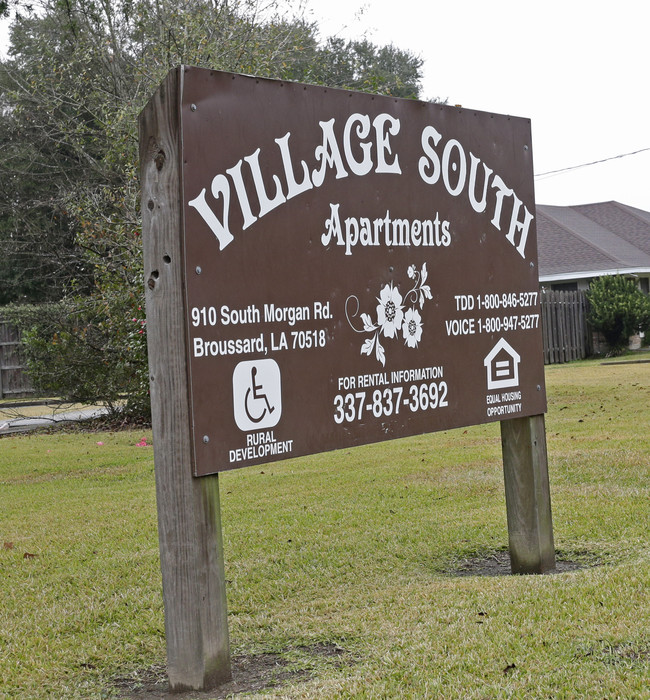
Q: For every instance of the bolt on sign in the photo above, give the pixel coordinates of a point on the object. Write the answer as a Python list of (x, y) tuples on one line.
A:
[(357, 268)]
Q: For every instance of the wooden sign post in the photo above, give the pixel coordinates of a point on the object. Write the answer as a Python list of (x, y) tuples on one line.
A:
[(326, 269), (528, 500), (189, 520)]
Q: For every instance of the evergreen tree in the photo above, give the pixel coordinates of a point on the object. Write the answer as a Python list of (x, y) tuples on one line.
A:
[(77, 75), (618, 309)]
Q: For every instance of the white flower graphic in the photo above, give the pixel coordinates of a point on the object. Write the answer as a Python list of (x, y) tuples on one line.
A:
[(412, 327), (389, 310), (391, 317)]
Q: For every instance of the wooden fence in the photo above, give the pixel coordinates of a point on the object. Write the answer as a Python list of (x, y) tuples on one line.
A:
[(14, 381), (567, 335)]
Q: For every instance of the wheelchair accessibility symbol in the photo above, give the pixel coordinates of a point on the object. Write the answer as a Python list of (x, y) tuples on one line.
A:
[(257, 394)]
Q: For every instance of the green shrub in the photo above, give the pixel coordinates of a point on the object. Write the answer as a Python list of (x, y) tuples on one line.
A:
[(86, 352), (618, 310)]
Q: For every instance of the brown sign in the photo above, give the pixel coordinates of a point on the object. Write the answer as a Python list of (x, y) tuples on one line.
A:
[(357, 268)]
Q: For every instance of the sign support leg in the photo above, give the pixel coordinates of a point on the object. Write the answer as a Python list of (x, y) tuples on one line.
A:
[(528, 501), (189, 521), (194, 587)]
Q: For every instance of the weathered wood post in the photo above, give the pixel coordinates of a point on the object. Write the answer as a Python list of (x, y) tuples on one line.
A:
[(2, 395), (528, 501), (189, 526)]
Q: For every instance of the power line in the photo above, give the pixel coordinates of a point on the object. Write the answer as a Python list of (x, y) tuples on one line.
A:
[(585, 165)]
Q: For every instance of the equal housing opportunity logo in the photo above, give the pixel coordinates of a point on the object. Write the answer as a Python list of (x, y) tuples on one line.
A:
[(502, 368)]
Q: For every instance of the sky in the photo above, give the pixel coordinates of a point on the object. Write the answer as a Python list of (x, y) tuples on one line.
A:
[(577, 68)]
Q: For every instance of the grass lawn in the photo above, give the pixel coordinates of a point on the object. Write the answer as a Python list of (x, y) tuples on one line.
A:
[(341, 566)]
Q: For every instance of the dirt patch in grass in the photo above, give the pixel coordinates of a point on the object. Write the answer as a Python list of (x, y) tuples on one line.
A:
[(626, 652), (498, 564), (251, 673)]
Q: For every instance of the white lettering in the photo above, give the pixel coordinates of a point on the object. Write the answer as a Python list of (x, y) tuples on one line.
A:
[(458, 165), (358, 153), (333, 227), (293, 188), (259, 451), (521, 226), (242, 195), (453, 168), (461, 326), (239, 346), (351, 234), (328, 155), (219, 186), (430, 160), (266, 204), (288, 314), (364, 166), (478, 206), (397, 232), (503, 191), (383, 144)]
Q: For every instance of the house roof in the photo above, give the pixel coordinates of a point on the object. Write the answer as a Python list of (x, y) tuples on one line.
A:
[(590, 240)]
